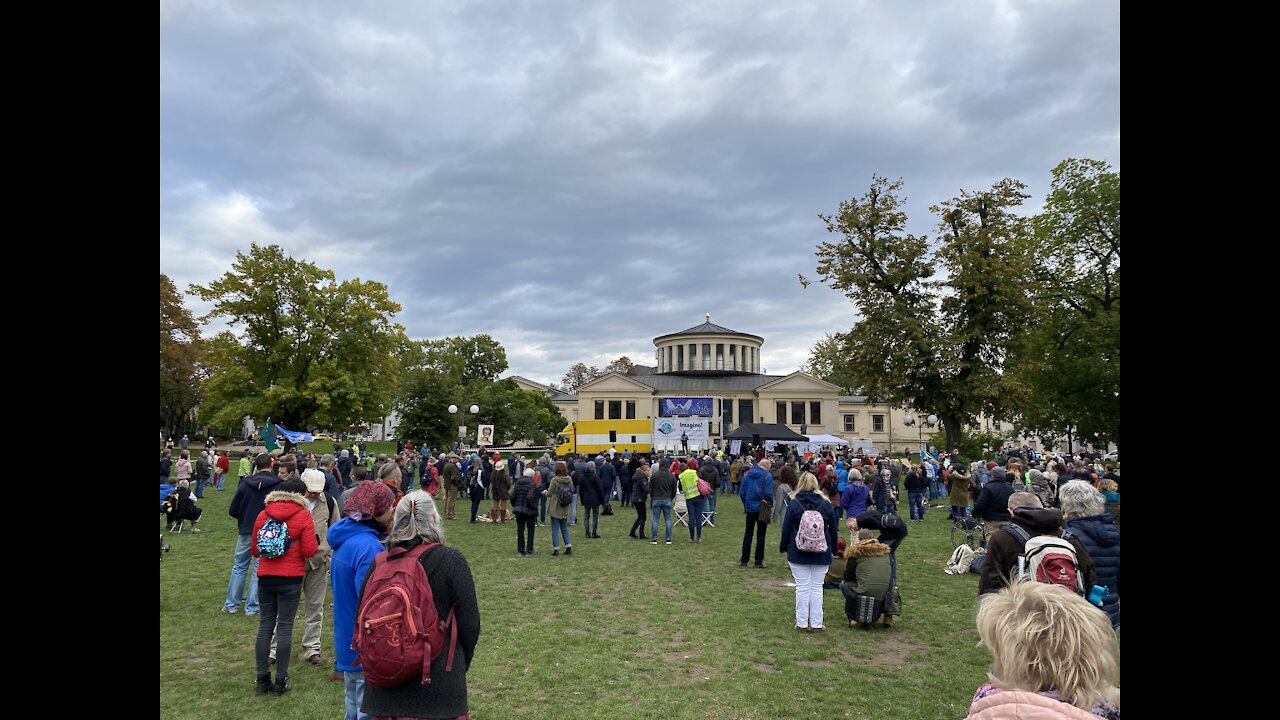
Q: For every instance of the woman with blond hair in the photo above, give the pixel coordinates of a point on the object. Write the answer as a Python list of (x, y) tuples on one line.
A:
[(1051, 652), (808, 548)]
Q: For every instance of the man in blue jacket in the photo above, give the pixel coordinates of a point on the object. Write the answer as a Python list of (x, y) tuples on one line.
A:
[(250, 499), (757, 483), (356, 540)]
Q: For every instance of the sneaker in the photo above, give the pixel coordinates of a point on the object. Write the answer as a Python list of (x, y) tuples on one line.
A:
[(568, 550), (742, 564), (668, 542), (760, 566), (655, 542), (820, 628), (555, 553), (250, 614), (227, 610)]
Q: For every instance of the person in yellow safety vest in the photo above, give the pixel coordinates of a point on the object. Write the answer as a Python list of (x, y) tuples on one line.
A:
[(693, 500)]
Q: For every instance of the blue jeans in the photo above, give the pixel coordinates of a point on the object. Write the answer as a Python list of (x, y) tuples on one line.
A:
[(696, 506), (573, 513), (221, 479), (561, 526), (239, 569), (591, 520), (662, 506), (935, 489), (542, 509), (354, 684), (711, 506), (917, 505), (199, 483)]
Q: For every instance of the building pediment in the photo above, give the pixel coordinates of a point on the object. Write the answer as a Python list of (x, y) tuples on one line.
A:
[(615, 382), (799, 383)]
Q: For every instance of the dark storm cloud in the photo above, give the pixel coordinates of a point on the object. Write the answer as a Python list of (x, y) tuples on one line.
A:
[(576, 180)]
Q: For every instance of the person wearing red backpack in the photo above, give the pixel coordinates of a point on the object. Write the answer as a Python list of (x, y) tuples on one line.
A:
[(1004, 546), (443, 577), (280, 579)]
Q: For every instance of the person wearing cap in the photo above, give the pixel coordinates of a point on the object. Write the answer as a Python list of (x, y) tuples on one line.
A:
[(324, 515), (356, 540)]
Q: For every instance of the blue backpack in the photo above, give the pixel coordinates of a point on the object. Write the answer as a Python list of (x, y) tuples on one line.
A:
[(273, 539)]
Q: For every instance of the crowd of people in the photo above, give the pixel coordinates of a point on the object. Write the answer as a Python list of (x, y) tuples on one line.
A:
[(341, 516)]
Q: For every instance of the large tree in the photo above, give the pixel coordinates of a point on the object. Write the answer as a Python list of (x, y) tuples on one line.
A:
[(303, 349), (829, 360), (938, 344), (181, 358), (1069, 366), (463, 371), (581, 374)]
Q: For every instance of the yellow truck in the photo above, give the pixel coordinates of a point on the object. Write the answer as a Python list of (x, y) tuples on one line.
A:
[(593, 436)]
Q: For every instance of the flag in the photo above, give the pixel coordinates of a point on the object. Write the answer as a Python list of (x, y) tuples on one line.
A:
[(296, 437), (269, 436)]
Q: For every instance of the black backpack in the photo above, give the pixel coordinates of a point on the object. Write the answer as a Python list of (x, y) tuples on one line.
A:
[(564, 495)]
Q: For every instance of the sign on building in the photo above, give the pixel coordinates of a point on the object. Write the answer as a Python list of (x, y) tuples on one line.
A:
[(687, 407)]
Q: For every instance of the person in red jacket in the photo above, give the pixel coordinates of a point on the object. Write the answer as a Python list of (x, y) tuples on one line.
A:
[(280, 580)]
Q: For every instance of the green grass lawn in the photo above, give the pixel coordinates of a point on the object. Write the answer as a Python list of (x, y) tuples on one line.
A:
[(622, 629)]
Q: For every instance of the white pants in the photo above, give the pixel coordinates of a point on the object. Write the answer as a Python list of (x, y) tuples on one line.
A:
[(808, 594)]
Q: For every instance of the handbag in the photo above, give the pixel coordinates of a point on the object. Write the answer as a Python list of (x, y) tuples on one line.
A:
[(766, 508)]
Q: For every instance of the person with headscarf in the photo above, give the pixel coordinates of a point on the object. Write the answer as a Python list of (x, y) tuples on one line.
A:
[(417, 521), (356, 540)]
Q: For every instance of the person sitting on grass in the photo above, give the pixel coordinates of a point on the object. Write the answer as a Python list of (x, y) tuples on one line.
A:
[(180, 506), (867, 572), (1052, 655)]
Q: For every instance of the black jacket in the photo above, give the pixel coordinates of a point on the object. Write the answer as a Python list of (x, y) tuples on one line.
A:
[(916, 482), (524, 496), (251, 499), (446, 695), (892, 530), (993, 501), (1003, 549)]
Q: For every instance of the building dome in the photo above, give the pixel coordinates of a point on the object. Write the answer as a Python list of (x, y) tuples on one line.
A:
[(708, 349)]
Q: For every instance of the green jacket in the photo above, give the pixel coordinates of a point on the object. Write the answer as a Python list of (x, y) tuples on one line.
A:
[(246, 467), (867, 570), (554, 508)]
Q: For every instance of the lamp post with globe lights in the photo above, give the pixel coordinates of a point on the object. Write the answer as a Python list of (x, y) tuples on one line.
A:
[(462, 429), (921, 421)]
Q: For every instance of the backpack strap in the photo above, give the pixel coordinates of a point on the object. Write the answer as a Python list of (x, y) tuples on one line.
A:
[(1017, 532)]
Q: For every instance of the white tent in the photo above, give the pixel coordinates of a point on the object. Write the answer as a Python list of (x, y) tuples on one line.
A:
[(827, 440)]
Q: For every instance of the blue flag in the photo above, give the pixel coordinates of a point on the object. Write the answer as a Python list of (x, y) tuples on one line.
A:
[(296, 437)]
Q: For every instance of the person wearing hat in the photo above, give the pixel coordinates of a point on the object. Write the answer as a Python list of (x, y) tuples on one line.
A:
[(324, 514), (356, 540)]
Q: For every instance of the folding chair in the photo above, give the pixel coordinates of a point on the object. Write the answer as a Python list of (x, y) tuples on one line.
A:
[(706, 518), (681, 510)]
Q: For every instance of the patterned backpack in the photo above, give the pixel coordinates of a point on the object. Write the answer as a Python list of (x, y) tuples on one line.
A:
[(811, 536), (273, 539)]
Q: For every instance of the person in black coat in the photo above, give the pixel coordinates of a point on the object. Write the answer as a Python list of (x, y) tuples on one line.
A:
[(992, 504), (591, 493)]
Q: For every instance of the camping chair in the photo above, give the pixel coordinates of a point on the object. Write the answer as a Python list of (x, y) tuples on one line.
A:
[(681, 510), (706, 518)]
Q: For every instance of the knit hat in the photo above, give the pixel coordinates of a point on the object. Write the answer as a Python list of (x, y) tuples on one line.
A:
[(369, 499), (999, 474), (314, 480)]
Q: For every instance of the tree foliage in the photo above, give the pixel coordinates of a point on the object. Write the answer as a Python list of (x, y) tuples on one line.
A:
[(306, 350), (829, 360), (938, 345), (182, 354), (1069, 367), (463, 371), (581, 374)]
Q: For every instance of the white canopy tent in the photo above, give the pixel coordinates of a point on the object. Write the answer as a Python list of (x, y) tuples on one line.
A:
[(827, 440)]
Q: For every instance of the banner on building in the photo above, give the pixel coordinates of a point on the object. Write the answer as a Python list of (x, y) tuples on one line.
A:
[(667, 432), (687, 407)]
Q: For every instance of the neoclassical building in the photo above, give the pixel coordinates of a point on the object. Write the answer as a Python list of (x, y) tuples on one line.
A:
[(709, 360)]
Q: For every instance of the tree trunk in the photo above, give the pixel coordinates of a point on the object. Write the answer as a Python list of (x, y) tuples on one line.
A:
[(951, 426)]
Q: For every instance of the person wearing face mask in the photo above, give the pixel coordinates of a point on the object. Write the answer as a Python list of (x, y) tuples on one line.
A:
[(356, 540)]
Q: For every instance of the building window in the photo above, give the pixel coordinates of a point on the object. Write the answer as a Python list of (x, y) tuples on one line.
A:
[(599, 409), (727, 409), (631, 409), (733, 357), (815, 413), (797, 413), (995, 426), (782, 412), (849, 423), (693, 356), (680, 357), (719, 356), (746, 411), (615, 409), (877, 423), (706, 356)]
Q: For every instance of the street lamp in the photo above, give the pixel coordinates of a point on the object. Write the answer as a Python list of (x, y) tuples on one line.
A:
[(925, 421), (462, 430)]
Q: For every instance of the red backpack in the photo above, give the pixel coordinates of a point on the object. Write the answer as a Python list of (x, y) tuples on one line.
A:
[(398, 631)]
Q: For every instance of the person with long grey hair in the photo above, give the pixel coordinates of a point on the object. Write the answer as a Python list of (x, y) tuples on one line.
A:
[(417, 521)]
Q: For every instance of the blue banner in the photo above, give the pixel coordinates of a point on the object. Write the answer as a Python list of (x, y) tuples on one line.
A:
[(687, 407), (296, 437)]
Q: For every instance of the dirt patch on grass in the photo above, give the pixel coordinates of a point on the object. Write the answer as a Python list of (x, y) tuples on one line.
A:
[(815, 663), (888, 653), (761, 667)]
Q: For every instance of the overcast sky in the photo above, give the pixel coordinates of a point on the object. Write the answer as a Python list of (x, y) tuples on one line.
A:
[(576, 179)]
